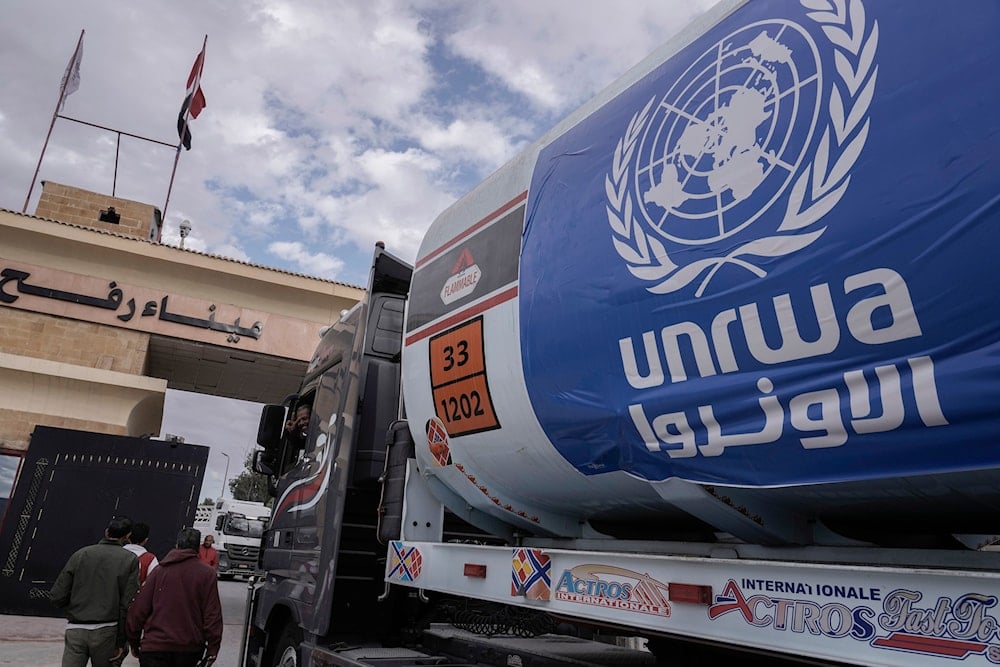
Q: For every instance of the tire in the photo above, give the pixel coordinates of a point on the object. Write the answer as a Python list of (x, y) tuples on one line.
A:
[(286, 653)]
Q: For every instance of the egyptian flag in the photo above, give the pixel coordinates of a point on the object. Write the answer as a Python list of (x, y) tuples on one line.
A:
[(194, 101)]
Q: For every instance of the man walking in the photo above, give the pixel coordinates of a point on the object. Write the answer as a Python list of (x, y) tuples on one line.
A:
[(94, 589), (137, 545), (176, 619)]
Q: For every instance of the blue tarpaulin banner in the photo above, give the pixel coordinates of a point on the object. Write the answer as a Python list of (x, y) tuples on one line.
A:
[(770, 261)]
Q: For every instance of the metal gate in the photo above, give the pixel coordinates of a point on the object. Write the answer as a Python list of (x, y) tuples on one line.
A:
[(71, 483)]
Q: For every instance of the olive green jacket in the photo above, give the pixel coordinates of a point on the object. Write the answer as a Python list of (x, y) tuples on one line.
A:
[(97, 585)]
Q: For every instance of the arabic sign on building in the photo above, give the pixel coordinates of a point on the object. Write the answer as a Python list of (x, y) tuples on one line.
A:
[(113, 303)]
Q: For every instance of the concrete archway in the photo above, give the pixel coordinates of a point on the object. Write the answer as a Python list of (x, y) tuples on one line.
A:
[(98, 321)]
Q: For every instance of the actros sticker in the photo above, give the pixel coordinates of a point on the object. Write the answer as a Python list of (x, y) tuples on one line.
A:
[(897, 620)]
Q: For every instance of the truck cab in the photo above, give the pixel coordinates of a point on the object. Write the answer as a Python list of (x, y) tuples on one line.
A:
[(323, 531)]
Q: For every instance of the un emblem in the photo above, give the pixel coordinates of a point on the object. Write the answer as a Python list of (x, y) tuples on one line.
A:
[(753, 125)]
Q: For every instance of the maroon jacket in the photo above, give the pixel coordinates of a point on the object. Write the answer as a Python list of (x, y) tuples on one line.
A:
[(178, 608)]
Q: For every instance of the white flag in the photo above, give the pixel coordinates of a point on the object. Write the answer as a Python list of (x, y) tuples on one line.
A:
[(71, 79)]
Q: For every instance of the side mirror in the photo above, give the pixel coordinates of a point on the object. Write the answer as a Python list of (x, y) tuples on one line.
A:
[(271, 427), (262, 463), (218, 522)]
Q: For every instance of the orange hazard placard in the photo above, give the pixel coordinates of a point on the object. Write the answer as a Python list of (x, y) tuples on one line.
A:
[(459, 385)]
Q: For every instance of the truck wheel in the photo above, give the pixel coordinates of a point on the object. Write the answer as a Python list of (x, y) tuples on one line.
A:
[(286, 653)]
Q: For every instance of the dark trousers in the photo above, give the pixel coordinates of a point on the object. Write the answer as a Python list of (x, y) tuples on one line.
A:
[(169, 659)]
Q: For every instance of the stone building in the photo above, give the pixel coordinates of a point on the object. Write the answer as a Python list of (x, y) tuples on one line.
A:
[(97, 320)]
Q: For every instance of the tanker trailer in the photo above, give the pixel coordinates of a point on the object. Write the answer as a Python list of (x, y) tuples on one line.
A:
[(690, 363), (744, 292)]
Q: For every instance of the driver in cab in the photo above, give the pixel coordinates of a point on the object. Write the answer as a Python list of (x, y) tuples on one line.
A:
[(297, 427)]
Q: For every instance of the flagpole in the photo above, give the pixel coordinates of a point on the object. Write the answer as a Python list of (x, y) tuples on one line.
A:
[(177, 157), (180, 141), (52, 124)]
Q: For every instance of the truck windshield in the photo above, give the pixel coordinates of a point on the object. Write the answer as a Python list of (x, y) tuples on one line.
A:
[(241, 526)]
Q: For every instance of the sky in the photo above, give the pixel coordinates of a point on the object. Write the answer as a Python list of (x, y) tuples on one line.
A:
[(329, 125), (227, 426)]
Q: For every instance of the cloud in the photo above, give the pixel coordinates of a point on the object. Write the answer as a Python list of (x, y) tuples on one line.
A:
[(560, 52), (315, 264), (484, 142)]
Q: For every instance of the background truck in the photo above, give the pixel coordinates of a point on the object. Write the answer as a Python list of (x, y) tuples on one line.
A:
[(715, 360), (237, 526)]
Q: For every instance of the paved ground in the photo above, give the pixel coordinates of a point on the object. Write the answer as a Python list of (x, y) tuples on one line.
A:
[(38, 641)]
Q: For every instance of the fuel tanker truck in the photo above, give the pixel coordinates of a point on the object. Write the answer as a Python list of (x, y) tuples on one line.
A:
[(715, 360)]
